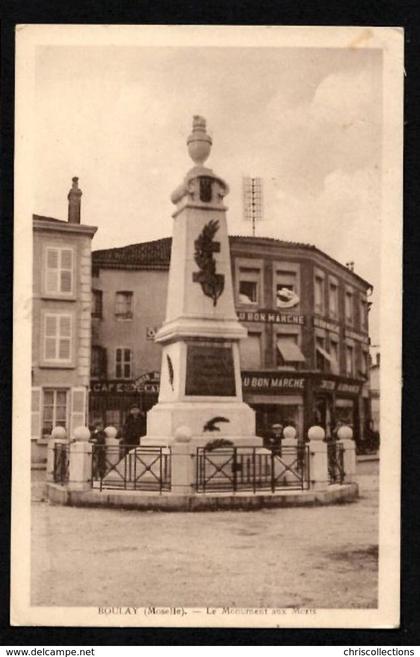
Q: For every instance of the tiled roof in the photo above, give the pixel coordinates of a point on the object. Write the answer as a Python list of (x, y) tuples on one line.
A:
[(145, 255), (156, 254)]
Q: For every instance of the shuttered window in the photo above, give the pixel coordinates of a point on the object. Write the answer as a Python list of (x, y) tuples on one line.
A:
[(123, 363), (36, 413), (59, 270), (57, 337), (54, 410), (78, 408)]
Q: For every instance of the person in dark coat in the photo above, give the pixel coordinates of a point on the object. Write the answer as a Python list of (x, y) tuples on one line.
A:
[(274, 442), (133, 429), (99, 453)]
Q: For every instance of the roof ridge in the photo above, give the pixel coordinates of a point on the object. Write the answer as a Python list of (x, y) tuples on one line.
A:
[(157, 253)]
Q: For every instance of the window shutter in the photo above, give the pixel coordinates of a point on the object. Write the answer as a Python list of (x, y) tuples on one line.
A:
[(36, 413), (78, 409)]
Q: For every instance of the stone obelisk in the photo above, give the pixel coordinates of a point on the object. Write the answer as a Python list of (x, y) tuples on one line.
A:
[(200, 384)]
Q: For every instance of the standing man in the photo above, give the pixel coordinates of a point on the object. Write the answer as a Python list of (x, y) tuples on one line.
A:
[(133, 429), (276, 438)]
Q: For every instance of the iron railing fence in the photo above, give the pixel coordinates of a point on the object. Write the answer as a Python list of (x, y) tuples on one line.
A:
[(335, 452), (61, 463), (252, 469), (124, 467)]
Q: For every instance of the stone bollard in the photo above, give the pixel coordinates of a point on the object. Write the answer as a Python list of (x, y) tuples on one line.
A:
[(58, 437), (80, 469), (345, 438), (318, 458), (110, 437), (290, 456), (182, 463)]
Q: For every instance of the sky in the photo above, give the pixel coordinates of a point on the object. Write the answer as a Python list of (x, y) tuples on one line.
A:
[(308, 121)]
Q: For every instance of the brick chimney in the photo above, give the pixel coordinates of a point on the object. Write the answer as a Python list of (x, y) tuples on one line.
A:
[(74, 197)]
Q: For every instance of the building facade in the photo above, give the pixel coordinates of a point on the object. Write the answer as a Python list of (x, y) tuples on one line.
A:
[(375, 372), (306, 357), (61, 324)]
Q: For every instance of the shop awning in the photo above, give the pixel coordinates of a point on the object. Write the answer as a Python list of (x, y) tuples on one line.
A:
[(333, 363), (290, 352)]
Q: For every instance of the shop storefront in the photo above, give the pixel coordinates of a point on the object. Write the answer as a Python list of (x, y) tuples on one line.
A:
[(300, 399), (110, 400), (276, 397)]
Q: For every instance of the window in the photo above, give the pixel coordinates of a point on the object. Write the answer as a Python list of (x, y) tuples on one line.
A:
[(286, 289), (124, 305), (322, 357), (349, 360), (123, 363), (54, 410), (333, 300), (363, 314), (59, 271), (250, 350), (98, 362), (365, 363), (249, 285), (97, 303), (288, 351), (335, 358), (349, 307), (319, 295), (57, 337)]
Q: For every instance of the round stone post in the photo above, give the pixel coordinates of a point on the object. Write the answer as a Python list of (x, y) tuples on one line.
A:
[(110, 437), (345, 438), (182, 463), (289, 453), (80, 469), (318, 458), (58, 436)]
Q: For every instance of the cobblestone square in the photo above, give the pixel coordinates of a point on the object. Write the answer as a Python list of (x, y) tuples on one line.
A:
[(324, 557)]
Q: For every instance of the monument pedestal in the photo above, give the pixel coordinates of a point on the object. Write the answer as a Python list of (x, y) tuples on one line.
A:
[(207, 421)]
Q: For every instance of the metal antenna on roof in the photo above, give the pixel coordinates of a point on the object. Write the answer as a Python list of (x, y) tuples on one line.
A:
[(253, 200)]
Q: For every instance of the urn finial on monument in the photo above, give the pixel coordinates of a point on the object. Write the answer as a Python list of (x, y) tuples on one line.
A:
[(199, 142), (201, 186)]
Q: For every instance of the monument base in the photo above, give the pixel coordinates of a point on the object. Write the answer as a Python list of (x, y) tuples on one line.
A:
[(206, 421), (202, 440)]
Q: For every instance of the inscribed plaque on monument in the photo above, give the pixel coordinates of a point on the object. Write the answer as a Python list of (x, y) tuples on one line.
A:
[(210, 371)]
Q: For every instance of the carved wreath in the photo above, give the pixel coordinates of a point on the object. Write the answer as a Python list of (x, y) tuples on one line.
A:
[(211, 283)]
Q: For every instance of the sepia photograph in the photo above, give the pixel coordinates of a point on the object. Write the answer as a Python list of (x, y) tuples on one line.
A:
[(208, 305)]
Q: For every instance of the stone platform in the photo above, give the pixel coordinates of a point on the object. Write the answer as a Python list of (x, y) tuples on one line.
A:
[(166, 501)]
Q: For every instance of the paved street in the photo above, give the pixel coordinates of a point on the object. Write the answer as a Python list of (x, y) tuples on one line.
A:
[(312, 557)]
